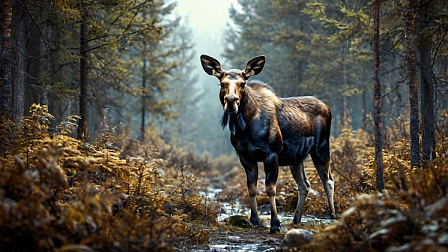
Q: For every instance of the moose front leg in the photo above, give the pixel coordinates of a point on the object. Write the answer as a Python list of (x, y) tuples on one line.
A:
[(251, 169), (271, 170)]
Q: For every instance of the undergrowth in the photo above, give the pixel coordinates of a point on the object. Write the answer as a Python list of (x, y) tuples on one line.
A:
[(121, 194), (60, 194), (408, 215)]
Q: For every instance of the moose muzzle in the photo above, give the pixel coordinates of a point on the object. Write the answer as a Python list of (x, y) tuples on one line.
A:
[(231, 103)]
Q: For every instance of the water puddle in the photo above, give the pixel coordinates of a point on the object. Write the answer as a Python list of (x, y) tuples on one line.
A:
[(252, 241), (244, 247)]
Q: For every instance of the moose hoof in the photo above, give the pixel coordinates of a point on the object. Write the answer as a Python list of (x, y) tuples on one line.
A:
[(275, 226), (296, 220), (256, 222), (275, 230)]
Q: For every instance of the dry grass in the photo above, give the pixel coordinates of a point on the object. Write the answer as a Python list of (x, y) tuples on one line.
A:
[(119, 194)]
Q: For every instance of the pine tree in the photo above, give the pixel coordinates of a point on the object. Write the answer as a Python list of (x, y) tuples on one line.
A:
[(5, 58), (182, 130), (377, 100), (424, 44)]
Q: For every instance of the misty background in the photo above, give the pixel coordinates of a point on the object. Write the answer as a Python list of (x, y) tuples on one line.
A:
[(142, 74), (208, 21)]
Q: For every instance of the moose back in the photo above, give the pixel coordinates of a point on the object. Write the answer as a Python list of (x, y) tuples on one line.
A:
[(275, 131)]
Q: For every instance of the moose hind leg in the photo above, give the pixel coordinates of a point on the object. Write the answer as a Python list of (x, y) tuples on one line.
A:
[(329, 190), (271, 170), (321, 159), (303, 184), (327, 181)]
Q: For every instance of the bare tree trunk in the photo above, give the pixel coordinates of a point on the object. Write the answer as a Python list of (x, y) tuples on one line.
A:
[(413, 91), (427, 86), (364, 108), (377, 100), (143, 122), (83, 98), (33, 92), (19, 78), (344, 118), (5, 57)]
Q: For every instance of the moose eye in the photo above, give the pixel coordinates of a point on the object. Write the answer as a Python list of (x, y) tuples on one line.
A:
[(243, 83), (222, 84)]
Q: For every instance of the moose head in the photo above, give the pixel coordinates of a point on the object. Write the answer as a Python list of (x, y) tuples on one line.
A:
[(232, 81)]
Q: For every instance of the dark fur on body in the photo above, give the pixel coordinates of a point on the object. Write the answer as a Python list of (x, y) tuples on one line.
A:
[(291, 137), (275, 131)]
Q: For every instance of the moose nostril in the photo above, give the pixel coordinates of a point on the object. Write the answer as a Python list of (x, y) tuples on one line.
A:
[(232, 98)]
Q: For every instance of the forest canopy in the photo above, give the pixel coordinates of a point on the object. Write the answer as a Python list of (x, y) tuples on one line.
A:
[(133, 63)]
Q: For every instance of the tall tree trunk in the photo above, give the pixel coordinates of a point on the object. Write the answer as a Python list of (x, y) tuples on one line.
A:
[(427, 86), (19, 78), (5, 57), (344, 118), (364, 108), (34, 63), (143, 122), (412, 74), (377, 100), (83, 98)]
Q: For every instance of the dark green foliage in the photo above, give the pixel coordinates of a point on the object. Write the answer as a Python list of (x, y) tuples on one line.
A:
[(324, 48), (114, 33), (312, 48)]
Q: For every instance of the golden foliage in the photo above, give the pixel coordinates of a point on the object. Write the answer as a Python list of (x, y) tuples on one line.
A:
[(119, 194), (409, 215), (57, 193), (411, 219)]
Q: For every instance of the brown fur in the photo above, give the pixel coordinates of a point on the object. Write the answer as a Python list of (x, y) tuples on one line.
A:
[(305, 114), (275, 131), (259, 98)]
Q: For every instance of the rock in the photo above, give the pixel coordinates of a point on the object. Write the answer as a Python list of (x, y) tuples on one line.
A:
[(297, 237), (313, 192), (264, 209), (240, 221), (222, 210)]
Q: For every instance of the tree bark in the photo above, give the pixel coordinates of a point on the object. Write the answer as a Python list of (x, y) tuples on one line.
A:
[(19, 78), (344, 118), (143, 122), (5, 57), (34, 92), (412, 74), (82, 132), (377, 100), (427, 86)]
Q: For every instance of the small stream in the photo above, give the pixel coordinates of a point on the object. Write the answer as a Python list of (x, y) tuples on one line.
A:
[(261, 241)]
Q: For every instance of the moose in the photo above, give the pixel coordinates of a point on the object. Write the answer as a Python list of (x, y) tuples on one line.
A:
[(273, 130)]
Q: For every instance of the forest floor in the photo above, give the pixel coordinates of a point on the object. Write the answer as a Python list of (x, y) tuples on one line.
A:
[(240, 240), (118, 194), (235, 232), (234, 237)]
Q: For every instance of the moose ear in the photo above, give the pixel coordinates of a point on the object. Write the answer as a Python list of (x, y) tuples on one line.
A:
[(254, 66), (211, 66)]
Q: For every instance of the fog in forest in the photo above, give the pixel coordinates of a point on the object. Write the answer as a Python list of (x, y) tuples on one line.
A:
[(208, 21), (111, 136)]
